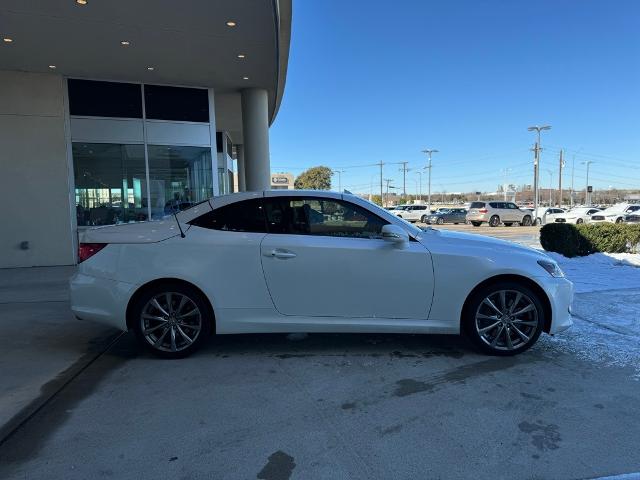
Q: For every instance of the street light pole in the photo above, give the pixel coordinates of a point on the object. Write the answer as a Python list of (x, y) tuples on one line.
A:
[(587, 197), (420, 186), (536, 167), (428, 152), (339, 172)]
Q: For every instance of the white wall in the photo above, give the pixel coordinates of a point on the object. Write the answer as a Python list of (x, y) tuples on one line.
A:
[(34, 176)]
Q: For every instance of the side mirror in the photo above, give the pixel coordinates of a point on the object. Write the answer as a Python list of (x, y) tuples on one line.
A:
[(395, 234)]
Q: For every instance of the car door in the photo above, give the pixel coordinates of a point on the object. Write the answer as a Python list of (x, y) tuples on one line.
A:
[(459, 215), (324, 257)]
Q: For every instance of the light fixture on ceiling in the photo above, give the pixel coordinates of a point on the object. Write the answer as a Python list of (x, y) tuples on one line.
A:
[(52, 67), (81, 2), (151, 69), (7, 40), (242, 55), (231, 23), (125, 43), (245, 78)]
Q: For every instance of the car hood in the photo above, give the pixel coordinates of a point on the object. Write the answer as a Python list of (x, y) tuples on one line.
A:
[(141, 232), (461, 239)]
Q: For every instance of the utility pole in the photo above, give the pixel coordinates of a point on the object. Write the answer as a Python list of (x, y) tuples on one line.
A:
[(381, 192), (404, 171), (587, 197), (388, 180), (420, 185), (339, 172), (428, 152), (560, 180), (550, 172), (536, 167)]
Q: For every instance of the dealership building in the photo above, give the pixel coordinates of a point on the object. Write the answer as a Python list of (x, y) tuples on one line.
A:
[(121, 111)]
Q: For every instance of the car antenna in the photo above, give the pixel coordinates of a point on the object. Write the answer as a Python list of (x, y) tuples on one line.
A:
[(175, 214)]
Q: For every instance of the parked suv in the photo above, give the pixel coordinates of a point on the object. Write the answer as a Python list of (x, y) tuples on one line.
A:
[(495, 213), (412, 213)]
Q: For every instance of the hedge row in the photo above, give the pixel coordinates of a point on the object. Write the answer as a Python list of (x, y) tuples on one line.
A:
[(580, 240)]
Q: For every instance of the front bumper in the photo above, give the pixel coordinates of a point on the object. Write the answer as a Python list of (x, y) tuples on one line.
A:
[(560, 293), (100, 299)]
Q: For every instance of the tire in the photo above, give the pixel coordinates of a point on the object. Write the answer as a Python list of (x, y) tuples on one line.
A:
[(424, 219), (440, 221), (493, 341), (619, 220), (526, 221), (508, 224), (494, 221), (476, 224), (579, 221), (161, 305)]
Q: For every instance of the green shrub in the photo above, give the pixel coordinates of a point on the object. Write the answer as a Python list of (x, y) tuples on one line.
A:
[(579, 240)]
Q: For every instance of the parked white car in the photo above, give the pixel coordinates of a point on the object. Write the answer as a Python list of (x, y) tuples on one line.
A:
[(413, 213), (615, 213), (577, 215), (309, 261), (550, 214)]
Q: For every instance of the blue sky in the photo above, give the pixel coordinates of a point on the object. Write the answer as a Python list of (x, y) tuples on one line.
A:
[(373, 80)]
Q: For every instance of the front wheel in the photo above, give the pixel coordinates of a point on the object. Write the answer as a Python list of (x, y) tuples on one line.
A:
[(171, 319), (494, 221), (579, 221), (503, 319), (424, 219), (619, 220)]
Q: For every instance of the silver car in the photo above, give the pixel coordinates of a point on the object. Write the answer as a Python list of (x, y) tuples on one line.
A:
[(495, 213)]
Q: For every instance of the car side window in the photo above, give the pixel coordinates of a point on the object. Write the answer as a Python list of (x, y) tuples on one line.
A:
[(244, 216), (322, 217), (512, 206)]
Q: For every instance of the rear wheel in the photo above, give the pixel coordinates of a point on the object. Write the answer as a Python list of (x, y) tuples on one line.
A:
[(424, 219), (494, 221), (440, 221), (504, 319), (171, 319), (619, 220), (526, 221)]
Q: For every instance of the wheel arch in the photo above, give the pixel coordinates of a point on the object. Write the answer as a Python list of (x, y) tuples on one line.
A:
[(544, 298), (159, 281)]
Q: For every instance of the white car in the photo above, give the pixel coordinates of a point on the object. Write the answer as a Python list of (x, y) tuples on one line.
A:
[(577, 215), (550, 214), (309, 261), (615, 214), (412, 213)]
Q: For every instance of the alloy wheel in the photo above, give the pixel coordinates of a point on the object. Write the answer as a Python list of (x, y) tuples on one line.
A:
[(170, 322), (506, 320)]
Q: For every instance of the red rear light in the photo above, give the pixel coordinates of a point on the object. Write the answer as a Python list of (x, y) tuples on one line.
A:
[(483, 210), (88, 250)]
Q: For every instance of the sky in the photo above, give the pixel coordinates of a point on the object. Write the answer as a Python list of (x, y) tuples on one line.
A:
[(374, 80)]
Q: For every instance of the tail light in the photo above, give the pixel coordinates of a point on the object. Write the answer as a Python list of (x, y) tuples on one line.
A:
[(88, 250), (483, 210)]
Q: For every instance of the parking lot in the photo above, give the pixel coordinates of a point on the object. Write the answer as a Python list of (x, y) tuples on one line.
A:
[(338, 406)]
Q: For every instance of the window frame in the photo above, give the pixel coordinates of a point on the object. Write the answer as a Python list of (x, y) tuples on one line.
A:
[(259, 200), (346, 203)]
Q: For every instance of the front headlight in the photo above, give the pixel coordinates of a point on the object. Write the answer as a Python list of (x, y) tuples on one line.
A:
[(552, 268)]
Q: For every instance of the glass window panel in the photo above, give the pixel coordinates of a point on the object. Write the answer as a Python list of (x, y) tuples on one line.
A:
[(178, 178), (104, 99), (245, 216), (110, 183), (176, 103)]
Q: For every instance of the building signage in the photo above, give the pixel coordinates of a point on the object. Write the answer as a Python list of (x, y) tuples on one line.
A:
[(280, 180)]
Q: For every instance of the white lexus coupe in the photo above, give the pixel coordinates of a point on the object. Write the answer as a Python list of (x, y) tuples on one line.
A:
[(308, 261)]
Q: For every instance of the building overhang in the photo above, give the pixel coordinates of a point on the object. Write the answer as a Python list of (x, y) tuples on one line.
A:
[(177, 43)]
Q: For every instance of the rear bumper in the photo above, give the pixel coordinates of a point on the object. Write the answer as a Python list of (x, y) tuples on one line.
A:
[(100, 299), (477, 218)]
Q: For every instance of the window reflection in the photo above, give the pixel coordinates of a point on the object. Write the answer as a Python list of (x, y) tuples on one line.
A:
[(179, 177), (110, 183)]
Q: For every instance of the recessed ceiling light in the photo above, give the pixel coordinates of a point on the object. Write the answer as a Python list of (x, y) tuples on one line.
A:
[(125, 43), (231, 23), (151, 69), (7, 40), (245, 78), (52, 67), (241, 55), (81, 2)]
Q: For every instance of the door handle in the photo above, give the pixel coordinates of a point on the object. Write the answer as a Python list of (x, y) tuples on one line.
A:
[(277, 253)]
